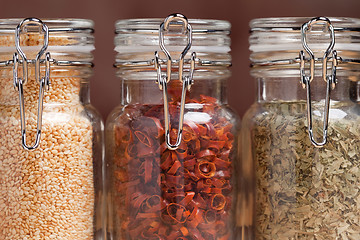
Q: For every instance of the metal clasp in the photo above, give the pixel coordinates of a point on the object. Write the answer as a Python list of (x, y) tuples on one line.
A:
[(330, 79), (163, 79), (19, 83)]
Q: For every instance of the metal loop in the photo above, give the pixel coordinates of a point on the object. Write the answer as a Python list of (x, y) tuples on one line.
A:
[(186, 83), (303, 78), (44, 82), (329, 79), (186, 30), (326, 115), (192, 70), (163, 80), (15, 70), (22, 28), (47, 70), (158, 70), (332, 77), (176, 17)]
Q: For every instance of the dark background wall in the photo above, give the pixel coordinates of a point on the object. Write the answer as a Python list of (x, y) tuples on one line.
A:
[(105, 87)]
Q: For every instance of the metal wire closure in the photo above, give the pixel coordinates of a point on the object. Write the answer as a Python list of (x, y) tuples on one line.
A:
[(330, 79), (147, 63), (42, 57), (163, 79), (19, 83), (29, 25)]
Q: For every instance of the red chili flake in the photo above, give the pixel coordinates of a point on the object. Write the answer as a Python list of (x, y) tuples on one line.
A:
[(205, 169), (143, 138), (174, 168), (187, 199), (184, 194), (210, 216), (218, 202), (122, 135)]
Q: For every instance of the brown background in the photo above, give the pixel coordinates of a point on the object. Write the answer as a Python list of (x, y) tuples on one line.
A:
[(105, 87)]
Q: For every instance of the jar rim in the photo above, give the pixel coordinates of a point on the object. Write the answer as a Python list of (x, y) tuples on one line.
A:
[(70, 40), (8, 25), (152, 24), (137, 40), (284, 24), (276, 44)]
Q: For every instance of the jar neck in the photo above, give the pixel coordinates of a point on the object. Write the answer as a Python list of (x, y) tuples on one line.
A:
[(289, 89), (148, 92)]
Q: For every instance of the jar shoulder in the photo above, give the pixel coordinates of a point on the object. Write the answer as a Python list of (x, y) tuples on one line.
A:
[(297, 111), (124, 114), (290, 120)]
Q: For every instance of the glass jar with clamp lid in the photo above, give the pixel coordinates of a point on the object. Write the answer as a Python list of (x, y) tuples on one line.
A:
[(303, 134), (51, 137), (172, 143)]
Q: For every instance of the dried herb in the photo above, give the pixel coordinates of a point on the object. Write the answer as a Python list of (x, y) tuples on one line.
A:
[(305, 192), (181, 194)]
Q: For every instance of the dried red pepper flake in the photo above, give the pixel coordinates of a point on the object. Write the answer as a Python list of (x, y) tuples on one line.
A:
[(175, 167), (153, 201), (182, 152), (221, 164), (210, 130), (146, 215), (205, 169), (130, 151), (190, 131), (168, 160), (220, 228), (137, 199), (210, 216), (190, 163), (169, 195), (218, 202), (175, 213), (148, 169), (143, 138), (153, 126), (206, 154), (195, 234), (122, 135), (184, 231), (187, 199)]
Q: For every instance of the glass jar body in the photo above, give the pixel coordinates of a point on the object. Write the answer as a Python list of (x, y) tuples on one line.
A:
[(49, 192), (154, 192), (303, 192)]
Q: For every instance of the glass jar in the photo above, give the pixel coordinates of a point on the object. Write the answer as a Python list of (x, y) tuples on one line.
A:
[(304, 144), (175, 186), (51, 136)]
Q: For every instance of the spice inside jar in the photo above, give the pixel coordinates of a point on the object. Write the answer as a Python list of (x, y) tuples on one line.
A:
[(158, 190), (48, 192), (304, 190)]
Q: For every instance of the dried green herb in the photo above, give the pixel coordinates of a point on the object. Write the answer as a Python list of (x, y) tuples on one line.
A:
[(305, 192)]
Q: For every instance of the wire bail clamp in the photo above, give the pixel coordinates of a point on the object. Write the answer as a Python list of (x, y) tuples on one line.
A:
[(330, 79), (163, 79), (44, 82)]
